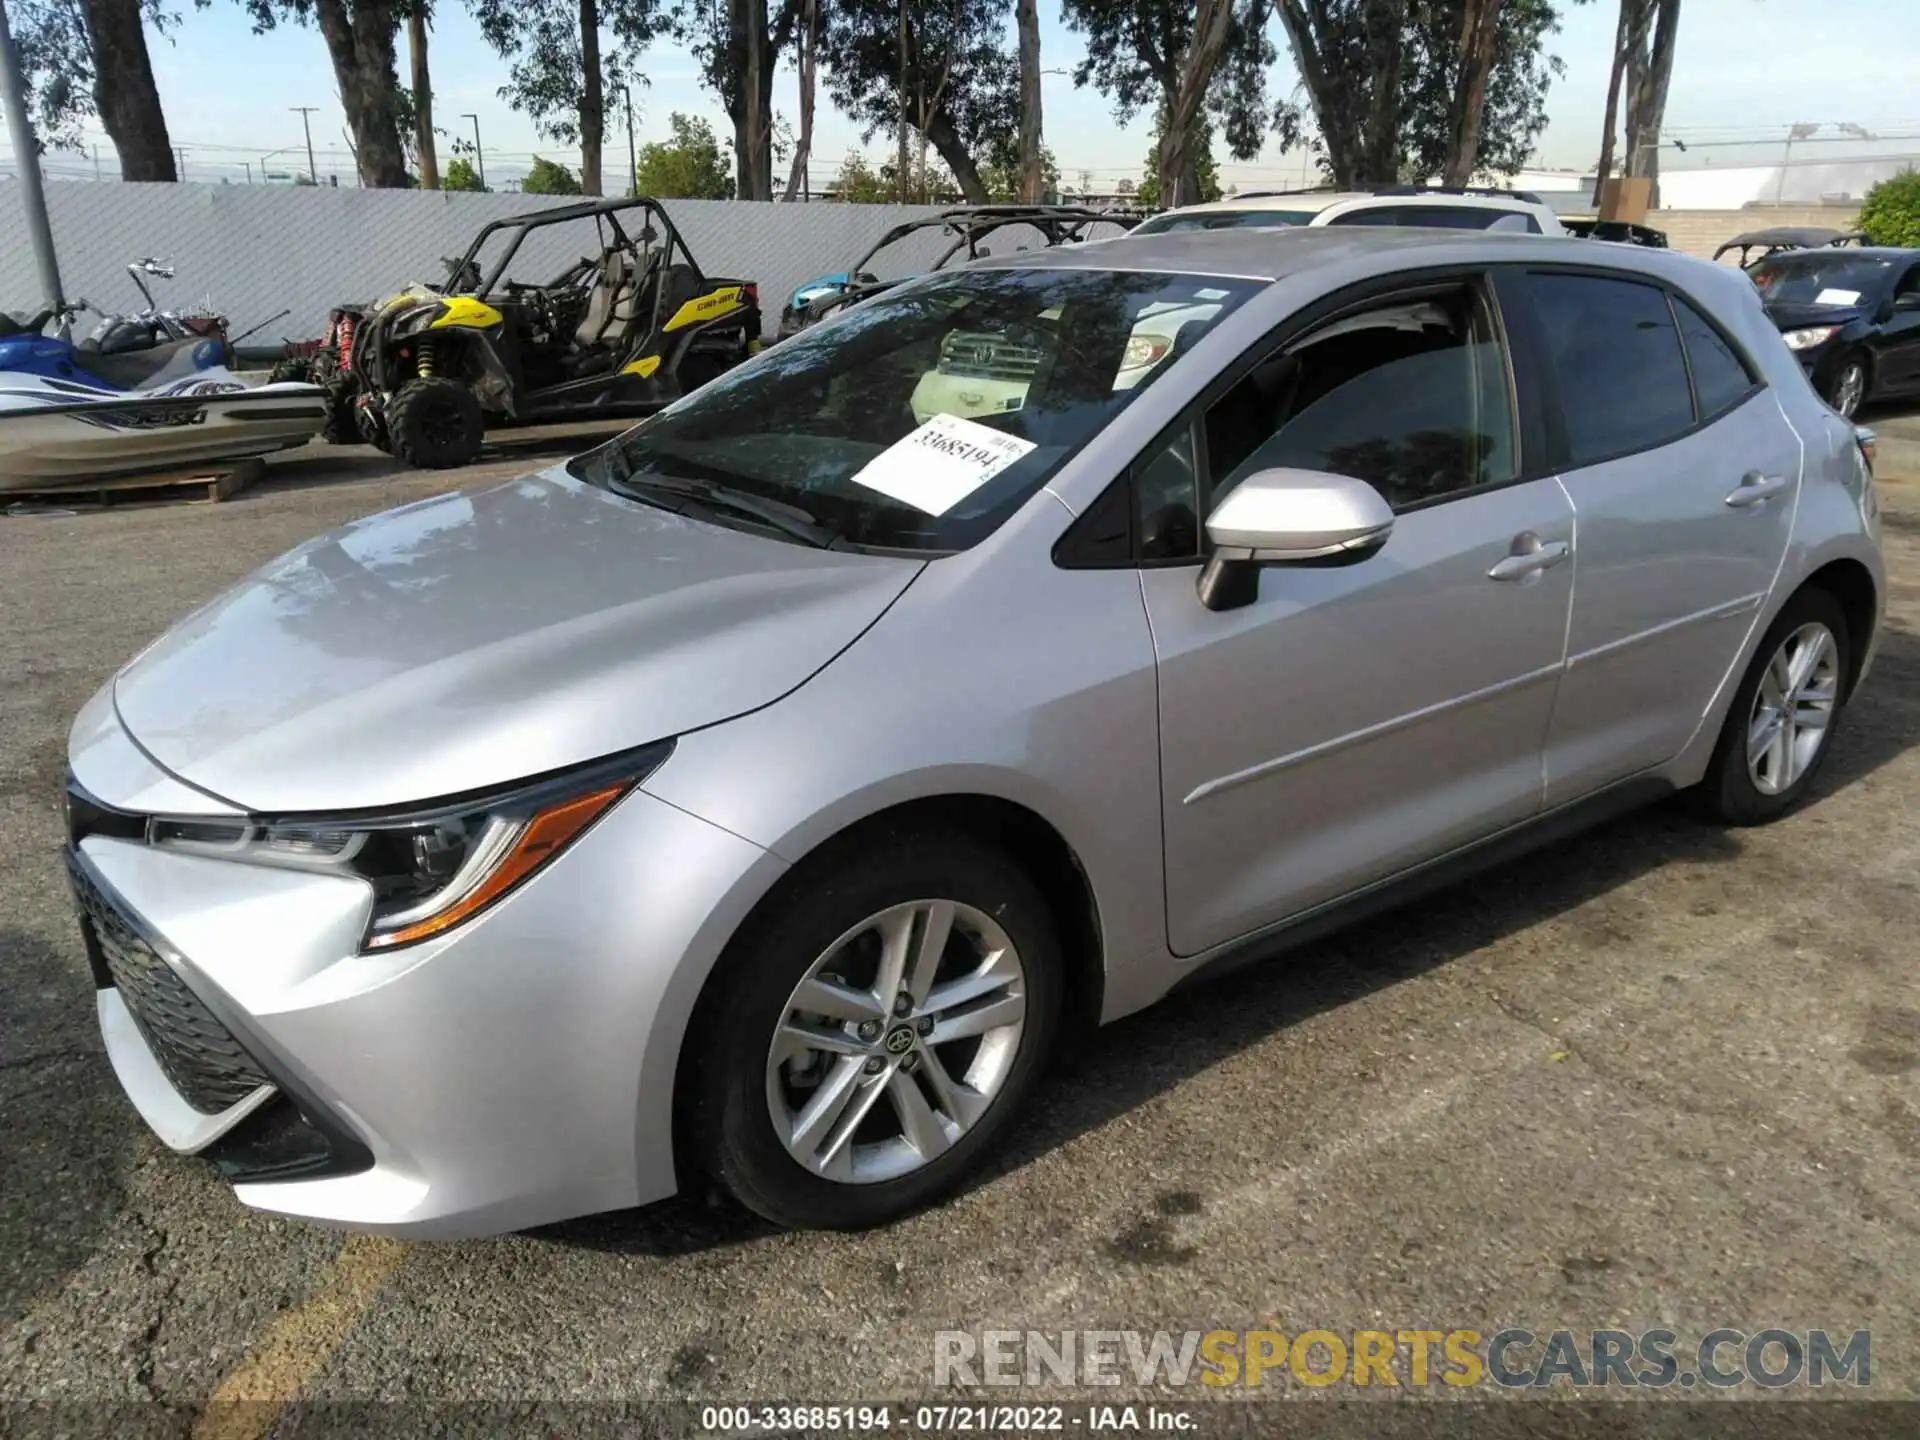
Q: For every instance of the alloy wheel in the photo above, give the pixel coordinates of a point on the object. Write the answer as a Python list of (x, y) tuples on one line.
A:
[(896, 1042), (1793, 709), (1850, 388)]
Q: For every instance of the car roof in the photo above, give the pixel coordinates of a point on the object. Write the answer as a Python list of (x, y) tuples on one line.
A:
[(1315, 201), (1274, 200), (1844, 252), (1363, 252), (1809, 235), (1253, 254)]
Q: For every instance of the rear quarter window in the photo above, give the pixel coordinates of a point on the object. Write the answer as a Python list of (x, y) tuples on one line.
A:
[(1721, 379)]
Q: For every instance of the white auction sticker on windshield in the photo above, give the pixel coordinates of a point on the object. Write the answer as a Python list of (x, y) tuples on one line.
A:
[(1837, 297), (937, 466)]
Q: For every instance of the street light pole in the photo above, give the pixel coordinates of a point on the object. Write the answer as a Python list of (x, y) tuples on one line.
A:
[(479, 160), (306, 124), (33, 199)]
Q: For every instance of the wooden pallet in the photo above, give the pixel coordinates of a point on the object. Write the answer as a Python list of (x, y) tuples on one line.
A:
[(192, 485)]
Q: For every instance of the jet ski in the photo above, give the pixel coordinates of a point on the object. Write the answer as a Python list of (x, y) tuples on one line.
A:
[(71, 415)]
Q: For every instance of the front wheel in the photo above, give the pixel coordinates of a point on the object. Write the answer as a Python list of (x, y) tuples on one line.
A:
[(1783, 716), (878, 1029), (435, 424), (1849, 386)]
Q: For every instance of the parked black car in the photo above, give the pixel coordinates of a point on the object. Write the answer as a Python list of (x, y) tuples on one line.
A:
[(1851, 315)]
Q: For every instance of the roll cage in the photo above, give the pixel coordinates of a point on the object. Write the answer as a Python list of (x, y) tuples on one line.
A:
[(605, 215), (970, 224)]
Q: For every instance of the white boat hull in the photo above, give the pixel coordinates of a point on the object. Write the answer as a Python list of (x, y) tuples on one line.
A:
[(55, 434)]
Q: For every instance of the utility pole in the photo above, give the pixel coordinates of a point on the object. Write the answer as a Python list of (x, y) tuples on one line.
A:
[(633, 156), (33, 199), (479, 161), (249, 165), (306, 124), (96, 162), (1802, 131)]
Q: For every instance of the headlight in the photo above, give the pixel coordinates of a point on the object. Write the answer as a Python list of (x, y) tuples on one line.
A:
[(418, 321), (1144, 350), (1811, 336), (434, 868)]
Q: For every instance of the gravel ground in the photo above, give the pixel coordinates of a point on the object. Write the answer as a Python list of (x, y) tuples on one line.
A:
[(1661, 1074)]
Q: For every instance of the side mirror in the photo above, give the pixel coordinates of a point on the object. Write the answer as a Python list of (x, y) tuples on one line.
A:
[(1289, 517), (1908, 301)]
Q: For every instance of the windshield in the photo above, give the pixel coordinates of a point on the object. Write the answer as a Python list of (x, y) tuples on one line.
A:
[(924, 417), (1222, 220), (1821, 277)]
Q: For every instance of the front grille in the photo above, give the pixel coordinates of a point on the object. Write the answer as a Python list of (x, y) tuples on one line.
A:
[(198, 1053), (988, 357)]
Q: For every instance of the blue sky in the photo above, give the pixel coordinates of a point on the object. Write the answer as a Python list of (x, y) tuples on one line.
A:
[(1746, 69)]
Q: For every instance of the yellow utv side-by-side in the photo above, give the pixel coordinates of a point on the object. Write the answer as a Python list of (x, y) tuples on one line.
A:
[(624, 329)]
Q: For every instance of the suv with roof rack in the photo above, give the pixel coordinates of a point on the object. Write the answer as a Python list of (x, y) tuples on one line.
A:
[(1469, 208)]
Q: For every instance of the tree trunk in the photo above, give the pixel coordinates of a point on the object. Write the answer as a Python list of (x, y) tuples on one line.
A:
[(1385, 31), (1479, 45), (1033, 179), (749, 98), (1622, 34), (904, 161), (1332, 106), (359, 36), (958, 159), (1178, 165), (422, 98), (124, 93), (593, 107), (803, 146), (1648, 76)]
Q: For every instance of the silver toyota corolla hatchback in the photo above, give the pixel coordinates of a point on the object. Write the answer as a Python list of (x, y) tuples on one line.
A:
[(762, 795)]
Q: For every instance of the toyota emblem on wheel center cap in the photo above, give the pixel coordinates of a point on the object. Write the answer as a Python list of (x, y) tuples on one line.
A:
[(899, 1040)]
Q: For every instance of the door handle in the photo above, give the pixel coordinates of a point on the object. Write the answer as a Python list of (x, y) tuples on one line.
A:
[(1531, 561), (1756, 489)]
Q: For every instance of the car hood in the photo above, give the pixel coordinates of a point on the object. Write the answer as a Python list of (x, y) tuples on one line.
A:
[(1799, 316), (805, 295), (479, 638)]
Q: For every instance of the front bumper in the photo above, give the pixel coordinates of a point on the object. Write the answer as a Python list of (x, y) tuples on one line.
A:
[(516, 1071)]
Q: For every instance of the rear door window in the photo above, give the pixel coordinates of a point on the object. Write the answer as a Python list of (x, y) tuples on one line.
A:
[(1615, 354)]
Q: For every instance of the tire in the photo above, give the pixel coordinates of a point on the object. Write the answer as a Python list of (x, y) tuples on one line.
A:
[(1737, 791), (435, 424), (342, 425), (735, 1080), (1850, 384)]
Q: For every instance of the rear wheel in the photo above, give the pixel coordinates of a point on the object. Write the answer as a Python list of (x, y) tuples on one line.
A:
[(876, 1033), (1783, 716), (342, 426), (1849, 385), (435, 424)]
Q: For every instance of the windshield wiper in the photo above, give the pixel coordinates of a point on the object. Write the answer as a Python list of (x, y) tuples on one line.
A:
[(789, 520)]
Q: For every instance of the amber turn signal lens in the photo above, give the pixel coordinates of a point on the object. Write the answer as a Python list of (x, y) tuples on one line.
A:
[(548, 833)]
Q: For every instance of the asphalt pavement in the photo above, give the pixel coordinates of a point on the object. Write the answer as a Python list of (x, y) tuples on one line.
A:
[(1659, 1075)]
